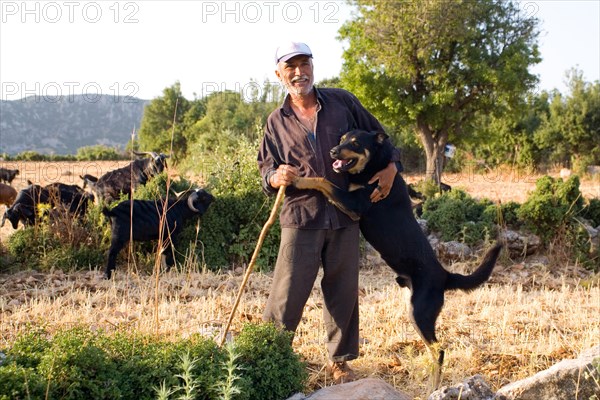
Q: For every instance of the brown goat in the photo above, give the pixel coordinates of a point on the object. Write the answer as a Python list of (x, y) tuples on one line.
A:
[(8, 194)]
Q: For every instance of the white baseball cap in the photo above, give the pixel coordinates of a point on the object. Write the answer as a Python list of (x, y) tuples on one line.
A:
[(291, 49)]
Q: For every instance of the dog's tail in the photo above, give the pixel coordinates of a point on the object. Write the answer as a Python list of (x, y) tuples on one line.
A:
[(481, 274)]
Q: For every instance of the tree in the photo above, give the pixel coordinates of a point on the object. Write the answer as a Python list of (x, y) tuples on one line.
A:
[(164, 120), (571, 132), (436, 64), (509, 138), (229, 116)]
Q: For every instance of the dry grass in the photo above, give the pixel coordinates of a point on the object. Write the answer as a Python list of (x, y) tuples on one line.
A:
[(503, 331), (524, 320)]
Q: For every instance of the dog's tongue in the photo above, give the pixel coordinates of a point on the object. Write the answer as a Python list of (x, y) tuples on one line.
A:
[(337, 164)]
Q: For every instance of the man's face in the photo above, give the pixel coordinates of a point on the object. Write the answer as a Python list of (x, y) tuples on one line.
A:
[(296, 74)]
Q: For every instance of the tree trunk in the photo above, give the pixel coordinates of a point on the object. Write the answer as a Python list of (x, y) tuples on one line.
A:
[(434, 143)]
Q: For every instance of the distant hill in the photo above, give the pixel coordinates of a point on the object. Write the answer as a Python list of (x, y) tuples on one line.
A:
[(61, 125)]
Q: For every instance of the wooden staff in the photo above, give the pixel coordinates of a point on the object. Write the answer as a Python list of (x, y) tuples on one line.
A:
[(261, 239)]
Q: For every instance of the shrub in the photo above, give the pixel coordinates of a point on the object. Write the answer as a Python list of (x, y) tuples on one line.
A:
[(509, 212), (552, 204), (76, 368), (231, 227), (428, 188), (18, 382), (65, 243), (77, 363), (457, 216), (551, 212), (28, 348), (591, 212), (98, 152), (270, 368)]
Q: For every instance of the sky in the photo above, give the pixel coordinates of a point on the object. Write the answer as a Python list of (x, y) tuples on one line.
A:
[(139, 48)]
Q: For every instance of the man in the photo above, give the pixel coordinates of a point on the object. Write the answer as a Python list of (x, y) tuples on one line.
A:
[(297, 140)]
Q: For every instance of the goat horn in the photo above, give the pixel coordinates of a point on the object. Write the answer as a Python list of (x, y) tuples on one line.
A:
[(190, 202)]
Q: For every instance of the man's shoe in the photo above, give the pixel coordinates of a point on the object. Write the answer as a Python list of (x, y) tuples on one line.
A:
[(341, 372)]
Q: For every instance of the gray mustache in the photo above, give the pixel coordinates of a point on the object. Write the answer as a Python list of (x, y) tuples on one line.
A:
[(297, 78)]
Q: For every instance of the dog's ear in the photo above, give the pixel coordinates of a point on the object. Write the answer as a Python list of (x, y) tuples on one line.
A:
[(380, 136)]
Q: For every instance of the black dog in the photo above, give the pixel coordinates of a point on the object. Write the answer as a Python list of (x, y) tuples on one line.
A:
[(391, 228)]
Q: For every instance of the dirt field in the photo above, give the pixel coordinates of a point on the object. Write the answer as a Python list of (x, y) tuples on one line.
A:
[(527, 318)]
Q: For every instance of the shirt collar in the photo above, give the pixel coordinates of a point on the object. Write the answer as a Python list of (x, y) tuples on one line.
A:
[(287, 108)]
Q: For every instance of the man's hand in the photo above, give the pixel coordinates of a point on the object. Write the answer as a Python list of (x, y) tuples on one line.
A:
[(386, 180), (284, 176)]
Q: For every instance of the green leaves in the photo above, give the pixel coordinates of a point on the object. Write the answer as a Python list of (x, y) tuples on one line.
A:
[(434, 64), (78, 363)]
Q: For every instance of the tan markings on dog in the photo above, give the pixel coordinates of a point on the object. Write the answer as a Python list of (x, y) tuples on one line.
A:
[(327, 188), (361, 160), (360, 165), (354, 186)]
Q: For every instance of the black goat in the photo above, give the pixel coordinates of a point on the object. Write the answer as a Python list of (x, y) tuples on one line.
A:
[(88, 179), (73, 197), (24, 208), (110, 186), (8, 175), (147, 217)]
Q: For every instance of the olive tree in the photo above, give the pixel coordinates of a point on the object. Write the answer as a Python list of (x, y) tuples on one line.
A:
[(435, 64)]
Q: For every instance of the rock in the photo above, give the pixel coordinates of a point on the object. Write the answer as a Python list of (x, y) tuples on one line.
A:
[(594, 234), (371, 256), (519, 244), (423, 225), (363, 389), (567, 380), (474, 388), (434, 242), (453, 251), (565, 173), (593, 169), (297, 396), (14, 303)]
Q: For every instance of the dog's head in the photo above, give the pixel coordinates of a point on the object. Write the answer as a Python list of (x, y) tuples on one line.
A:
[(355, 150)]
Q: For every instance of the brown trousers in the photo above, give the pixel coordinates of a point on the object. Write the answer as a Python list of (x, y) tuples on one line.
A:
[(301, 253)]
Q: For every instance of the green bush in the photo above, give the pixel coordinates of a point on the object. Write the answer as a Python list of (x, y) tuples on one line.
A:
[(76, 368), (35, 156), (77, 363), (551, 206), (591, 212), (231, 227), (29, 347), (68, 244), (270, 368), (18, 382), (552, 211), (457, 216), (509, 212), (99, 152)]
